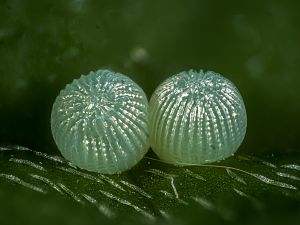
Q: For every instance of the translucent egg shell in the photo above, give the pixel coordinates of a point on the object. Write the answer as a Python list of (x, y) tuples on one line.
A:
[(196, 118), (100, 122)]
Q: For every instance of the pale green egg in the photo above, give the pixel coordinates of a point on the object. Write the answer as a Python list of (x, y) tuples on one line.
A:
[(100, 122), (196, 118)]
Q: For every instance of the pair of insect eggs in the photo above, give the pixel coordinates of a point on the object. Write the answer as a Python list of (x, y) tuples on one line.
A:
[(103, 122)]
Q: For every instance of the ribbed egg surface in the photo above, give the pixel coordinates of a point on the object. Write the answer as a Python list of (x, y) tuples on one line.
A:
[(100, 122), (196, 118)]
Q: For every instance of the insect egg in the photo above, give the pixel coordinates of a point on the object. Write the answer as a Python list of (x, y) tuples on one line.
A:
[(100, 122), (196, 118)]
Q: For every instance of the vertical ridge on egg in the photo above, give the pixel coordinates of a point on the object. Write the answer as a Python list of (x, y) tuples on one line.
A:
[(100, 122), (196, 118)]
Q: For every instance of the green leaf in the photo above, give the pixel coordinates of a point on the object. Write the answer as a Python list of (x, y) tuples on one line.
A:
[(243, 188)]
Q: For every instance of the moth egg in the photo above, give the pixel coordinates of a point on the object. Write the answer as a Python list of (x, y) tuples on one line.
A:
[(196, 118), (100, 122)]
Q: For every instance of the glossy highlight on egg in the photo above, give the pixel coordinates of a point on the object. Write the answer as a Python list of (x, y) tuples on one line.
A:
[(196, 118), (100, 122)]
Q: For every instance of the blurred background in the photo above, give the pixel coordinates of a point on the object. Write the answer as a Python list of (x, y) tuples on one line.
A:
[(46, 44)]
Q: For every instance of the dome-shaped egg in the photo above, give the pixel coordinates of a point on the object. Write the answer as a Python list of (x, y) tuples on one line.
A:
[(100, 122), (196, 118)]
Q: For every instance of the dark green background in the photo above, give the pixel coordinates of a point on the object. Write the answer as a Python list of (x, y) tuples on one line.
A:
[(46, 44)]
